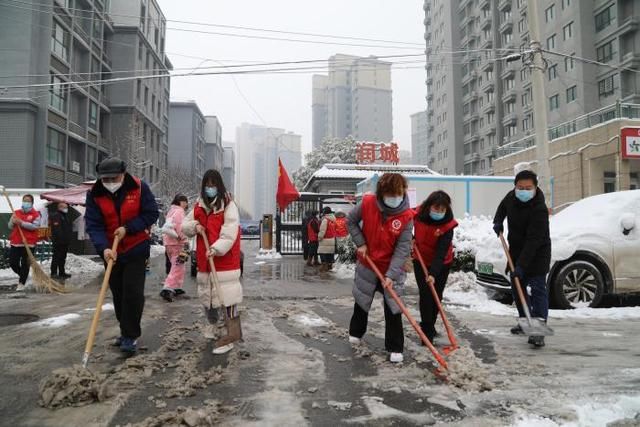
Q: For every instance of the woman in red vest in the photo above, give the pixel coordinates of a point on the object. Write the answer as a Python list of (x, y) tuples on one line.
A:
[(434, 226), (216, 214), (313, 228), (327, 239), (28, 219), (380, 226)]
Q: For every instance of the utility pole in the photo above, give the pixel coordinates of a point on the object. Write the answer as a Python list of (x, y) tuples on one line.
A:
[(538, 69)]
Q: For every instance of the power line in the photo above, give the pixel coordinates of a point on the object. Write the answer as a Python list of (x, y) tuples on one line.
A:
[(592, 61)]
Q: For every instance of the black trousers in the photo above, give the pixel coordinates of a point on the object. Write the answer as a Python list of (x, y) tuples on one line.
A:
[(127, 287), (167, 263), (393, 333), (428, 307), (19, 262), (59, 258), (313, 252)]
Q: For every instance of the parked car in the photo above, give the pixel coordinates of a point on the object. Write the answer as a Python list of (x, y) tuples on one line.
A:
[(250, 229), (595, 251), (194, 262)]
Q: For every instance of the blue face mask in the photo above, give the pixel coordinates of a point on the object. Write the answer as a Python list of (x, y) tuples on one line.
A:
[(26, 206), (211, 192), (393, 202), (437, 216), (525, 195)]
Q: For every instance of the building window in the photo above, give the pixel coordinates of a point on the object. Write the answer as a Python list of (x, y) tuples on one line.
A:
[(550, 13), (92, 160), (153, 104), (554, 102), (527, 123), (572, 94), (565, 4), (146, 96), (140, 50), (507, 38), (551, 42), (605, 52), (139, 90), (93, 115), (553, 72), (604, 18), (60, 41), (55, 147), (526, 97), (606, 86), (569, 63), (58, 94), (567, 31), (524, 74), (490, 118), (510, 107), (522, 26), (509, 84), (489, 97), (143, 17)]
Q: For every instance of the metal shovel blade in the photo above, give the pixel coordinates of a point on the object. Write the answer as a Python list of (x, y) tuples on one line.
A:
[(535, 327)]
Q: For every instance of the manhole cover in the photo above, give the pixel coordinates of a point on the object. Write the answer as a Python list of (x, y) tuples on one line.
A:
[(17, 319)]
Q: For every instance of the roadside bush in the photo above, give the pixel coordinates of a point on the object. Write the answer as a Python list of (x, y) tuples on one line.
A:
[(463, 261), (346, 251)]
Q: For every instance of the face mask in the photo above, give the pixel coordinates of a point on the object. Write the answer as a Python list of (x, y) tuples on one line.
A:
[(26, 206), (525, 195), (112, 186), (393, 202), (211, 191), (64, 210), (436, 216)]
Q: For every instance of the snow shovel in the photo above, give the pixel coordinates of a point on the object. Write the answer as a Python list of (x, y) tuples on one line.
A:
[(530, 326), (452, 339), (42, 281), (408, 315), (96, 314)]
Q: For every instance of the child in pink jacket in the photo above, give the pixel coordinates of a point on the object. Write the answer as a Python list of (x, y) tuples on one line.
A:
[(174, 241)]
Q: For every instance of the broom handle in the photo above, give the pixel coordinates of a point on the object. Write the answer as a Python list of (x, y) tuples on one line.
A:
[(96, 314), (24, 239), (523, 300), (434, 294), (408, 315), (214, 274)]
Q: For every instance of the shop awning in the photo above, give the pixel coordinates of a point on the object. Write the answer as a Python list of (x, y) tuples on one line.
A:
[(72, 195)]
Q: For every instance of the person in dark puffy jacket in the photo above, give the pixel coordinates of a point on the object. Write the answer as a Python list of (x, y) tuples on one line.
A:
[(61, 233), (529, 244), (433, 228)]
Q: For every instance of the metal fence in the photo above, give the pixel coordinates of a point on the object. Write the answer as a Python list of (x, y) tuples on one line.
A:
[(42, 251)]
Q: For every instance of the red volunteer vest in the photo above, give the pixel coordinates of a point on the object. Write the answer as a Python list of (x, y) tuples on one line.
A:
[(30, 235), (427, 236), (341, 227), (113, 219), (331, 229), (213, 224), (312, 236), (381, 237)]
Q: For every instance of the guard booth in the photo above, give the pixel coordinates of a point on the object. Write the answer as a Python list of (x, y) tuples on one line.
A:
[(289, 221)]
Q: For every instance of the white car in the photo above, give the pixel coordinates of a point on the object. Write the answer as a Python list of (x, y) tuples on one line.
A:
[(595, 251)]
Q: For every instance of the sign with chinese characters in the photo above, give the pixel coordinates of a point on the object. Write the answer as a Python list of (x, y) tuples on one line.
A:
[(630, 140), (374, 152)]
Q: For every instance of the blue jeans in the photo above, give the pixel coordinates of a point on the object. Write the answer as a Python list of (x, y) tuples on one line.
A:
[(538, 301)]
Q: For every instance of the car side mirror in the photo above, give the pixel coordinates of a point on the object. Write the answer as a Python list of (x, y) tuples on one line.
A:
[(628, 223)]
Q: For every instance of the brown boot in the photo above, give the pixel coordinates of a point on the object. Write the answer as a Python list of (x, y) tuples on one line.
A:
[(234, 333)]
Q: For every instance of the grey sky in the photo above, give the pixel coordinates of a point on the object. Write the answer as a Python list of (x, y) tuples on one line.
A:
[(285, 100)]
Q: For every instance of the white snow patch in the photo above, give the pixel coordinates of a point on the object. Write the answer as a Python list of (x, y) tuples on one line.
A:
[(76, 265), (344, 271), (259, 262), (105, 307), (463, 291), (58, 321), (157, 250), (378, 410), (615, 313), (589, 414), (268, 254), (309, 320)]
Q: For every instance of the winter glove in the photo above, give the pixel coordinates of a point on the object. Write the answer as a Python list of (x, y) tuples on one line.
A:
[(519, 273), (498, 228), (212, 252)]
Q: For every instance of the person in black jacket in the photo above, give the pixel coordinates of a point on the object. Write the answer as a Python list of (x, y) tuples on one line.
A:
[(61, 232), (529, 244)]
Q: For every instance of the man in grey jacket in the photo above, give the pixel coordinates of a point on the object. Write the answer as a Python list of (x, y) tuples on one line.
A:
[(380, 226)]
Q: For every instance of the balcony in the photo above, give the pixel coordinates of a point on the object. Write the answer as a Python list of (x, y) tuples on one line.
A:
[(631, 60), (486, 66), (430, 97), (77, 129), (487, 44), (81, 33), (504, 5), (510, 95), (506, 26), (463, 4), (488, 86), (485, 22), (508, 72), (509, 119), (489, 108), (629, 25)]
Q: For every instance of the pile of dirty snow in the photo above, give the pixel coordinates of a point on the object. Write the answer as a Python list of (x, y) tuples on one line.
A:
[(75, 386), (475, 234), (76, 265), (344, 271), (463, 292)]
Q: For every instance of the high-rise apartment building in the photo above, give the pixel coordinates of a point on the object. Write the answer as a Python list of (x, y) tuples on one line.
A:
[(355, 99), (478, 103), (140, 108), (187, 140), (53, 136), (419, 138), (229, 166), (257, 166), (213, 149)]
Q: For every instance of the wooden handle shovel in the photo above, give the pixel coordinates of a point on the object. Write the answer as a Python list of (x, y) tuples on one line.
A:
[(410, 318), (96, 314)]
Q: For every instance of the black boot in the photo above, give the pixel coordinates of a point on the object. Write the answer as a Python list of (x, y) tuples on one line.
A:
[(536, 341), (517, 330), (167, 295)]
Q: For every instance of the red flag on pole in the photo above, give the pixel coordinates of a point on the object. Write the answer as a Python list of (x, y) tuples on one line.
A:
[(287, 192)]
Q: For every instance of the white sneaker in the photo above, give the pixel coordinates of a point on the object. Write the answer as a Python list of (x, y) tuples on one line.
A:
[(20, 287), (354, 340), (209, 331), (396, 358), (223, 349)]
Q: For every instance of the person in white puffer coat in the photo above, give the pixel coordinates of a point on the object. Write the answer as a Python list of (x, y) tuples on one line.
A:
[(216, 214)]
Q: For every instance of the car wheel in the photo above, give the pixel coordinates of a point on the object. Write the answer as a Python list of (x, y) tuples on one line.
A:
[(578, 284)]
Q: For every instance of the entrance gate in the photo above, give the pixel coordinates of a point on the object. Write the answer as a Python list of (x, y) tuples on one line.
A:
[(289, 221)]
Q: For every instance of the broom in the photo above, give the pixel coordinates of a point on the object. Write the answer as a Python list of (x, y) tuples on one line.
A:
[(43, 283)]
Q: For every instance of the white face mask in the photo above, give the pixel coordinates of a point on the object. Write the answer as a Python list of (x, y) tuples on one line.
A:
[(112, 186)]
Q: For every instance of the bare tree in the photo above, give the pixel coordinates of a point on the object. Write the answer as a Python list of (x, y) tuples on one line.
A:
[(178, 180)]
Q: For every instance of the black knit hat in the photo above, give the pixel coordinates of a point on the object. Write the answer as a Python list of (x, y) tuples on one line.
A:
[(326, 210), (526, 174), (111, 167)]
